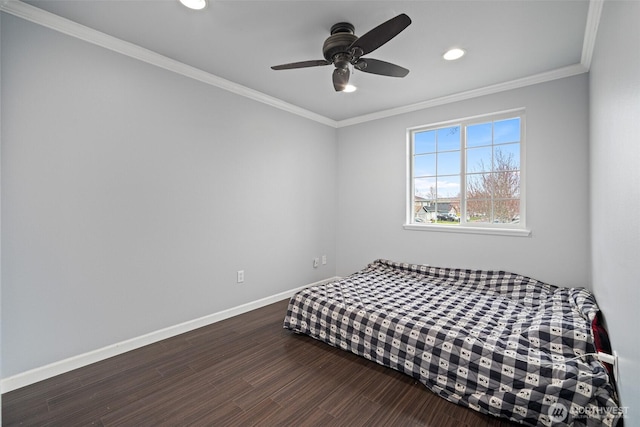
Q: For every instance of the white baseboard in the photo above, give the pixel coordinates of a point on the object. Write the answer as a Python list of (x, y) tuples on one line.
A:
[(48, 371)]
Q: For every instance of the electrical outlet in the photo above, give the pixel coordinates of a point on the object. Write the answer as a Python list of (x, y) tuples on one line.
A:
[(240, 276), (316, 262), (324, 260)]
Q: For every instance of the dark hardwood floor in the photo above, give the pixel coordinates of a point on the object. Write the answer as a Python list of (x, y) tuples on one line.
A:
[(243, 371)]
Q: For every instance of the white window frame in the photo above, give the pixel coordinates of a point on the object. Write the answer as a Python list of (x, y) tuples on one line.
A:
[(518, 229)]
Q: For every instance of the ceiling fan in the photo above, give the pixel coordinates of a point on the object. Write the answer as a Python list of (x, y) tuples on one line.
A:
[(343, 48)]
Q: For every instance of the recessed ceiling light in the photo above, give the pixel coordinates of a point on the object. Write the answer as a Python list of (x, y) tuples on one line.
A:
[(453, 54), (194, 4)]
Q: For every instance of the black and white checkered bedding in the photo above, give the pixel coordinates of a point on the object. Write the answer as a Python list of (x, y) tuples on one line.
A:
[(497, 342)]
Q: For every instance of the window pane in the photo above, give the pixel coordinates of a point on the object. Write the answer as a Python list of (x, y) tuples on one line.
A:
[(448, 186), (424, 164), (449, 138), (506, 131), (506, 185), (422, 210), (424, 142), (506, 211), (479, 211), (447, 212), (479, 186), (479, 159), (507, 157), (479, 135), (425, 188), (449, 163)]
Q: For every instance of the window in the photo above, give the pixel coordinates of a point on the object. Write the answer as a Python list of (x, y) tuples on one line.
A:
[(467, 174)]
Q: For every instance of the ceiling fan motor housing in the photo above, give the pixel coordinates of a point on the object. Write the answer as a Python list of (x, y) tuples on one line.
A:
[(337, 44)]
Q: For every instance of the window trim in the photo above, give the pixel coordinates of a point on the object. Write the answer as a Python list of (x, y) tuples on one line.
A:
[(467, 229), (520, 229)]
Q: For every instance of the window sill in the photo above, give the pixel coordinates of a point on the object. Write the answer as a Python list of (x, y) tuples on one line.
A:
[(495, 231)]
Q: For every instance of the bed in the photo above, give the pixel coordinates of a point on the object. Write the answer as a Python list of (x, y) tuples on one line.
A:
[(497, 342)]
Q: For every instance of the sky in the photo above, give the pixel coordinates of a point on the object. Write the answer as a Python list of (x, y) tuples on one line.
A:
[(437, 154)]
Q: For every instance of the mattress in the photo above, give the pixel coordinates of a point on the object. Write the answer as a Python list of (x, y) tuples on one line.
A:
[(497, 342)]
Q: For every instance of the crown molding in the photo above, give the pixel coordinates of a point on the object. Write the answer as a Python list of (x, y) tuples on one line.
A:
[(590, 31), (68, 27), (588, 45), (556, 74), (89, 35)]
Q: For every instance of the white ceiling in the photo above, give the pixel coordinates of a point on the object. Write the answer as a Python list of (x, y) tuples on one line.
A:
[(239, 40)]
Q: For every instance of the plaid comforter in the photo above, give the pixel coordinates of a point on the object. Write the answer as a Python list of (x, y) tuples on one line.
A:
[(496, 342)]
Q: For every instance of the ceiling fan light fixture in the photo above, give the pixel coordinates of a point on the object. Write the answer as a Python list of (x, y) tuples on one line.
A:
[(349, 88), (453, 54), (194, 4)]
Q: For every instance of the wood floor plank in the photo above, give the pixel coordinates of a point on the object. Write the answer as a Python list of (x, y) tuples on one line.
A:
[(168, 405), (243, 371), (308, 416)]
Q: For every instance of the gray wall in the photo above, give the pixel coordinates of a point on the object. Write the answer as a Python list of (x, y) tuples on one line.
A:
[(131, 195), (372, 190), (615, 187)]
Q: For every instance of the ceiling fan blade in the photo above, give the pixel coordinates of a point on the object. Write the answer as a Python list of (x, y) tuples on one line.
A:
[(380, 35), (375, 66), (301, 64), (340, 79)]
